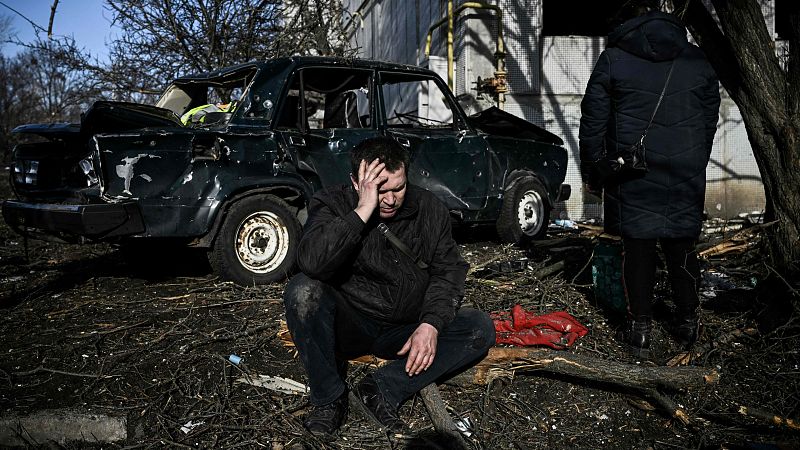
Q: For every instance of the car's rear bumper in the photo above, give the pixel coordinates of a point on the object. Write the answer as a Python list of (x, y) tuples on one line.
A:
[(94, 222)]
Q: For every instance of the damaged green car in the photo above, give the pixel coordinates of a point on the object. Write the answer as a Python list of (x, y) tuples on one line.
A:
[(228, 160)]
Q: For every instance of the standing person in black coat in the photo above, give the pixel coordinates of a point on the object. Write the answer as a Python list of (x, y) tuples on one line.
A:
[(362, 293), (665, 205)]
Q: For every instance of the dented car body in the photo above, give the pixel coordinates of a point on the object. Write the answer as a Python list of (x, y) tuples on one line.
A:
[(236, 179)]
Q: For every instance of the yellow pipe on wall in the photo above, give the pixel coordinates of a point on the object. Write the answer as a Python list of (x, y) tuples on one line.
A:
[(450, 19)]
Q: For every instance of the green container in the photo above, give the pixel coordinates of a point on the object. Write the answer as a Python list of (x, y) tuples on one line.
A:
[(607, 276)]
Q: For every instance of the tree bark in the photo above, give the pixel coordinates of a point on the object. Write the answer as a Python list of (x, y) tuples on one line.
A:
[(743, 54)]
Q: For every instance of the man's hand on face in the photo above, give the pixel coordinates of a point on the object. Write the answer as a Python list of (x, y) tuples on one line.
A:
[(368, 184), (421, 349)]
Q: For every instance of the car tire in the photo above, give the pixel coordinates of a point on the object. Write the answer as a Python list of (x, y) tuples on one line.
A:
[(257, 241), (525, 213)]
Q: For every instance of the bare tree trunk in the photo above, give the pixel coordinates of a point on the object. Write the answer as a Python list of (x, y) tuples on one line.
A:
[(743, 54)]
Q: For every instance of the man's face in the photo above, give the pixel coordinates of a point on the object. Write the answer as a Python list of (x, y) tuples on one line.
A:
[(391, 193)]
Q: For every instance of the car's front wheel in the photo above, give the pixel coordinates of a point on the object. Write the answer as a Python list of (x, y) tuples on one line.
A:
[(525, 213), (257, 241)]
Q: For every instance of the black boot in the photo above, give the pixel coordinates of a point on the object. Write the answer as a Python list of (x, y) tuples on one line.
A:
[(687, 329), (636, 337), (324, 420), (375, 407)]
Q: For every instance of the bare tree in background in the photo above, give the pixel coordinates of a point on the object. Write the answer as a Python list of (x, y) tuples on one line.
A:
[(35, 86), (163, 39), (768, 95)]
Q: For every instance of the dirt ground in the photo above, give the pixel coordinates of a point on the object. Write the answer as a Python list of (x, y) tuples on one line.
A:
[(82, 328)]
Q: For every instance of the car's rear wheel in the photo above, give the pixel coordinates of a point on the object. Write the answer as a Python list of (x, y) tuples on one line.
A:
[(525, 213), (256, 243)]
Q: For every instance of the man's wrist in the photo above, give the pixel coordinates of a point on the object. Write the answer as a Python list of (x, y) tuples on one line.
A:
[(433, 321), (364, 212)]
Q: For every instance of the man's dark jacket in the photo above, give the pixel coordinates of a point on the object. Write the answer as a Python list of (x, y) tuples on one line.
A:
[(372, 275), (620, 98)]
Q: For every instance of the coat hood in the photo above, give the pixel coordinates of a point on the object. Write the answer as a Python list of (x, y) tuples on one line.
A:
[(655, 36)]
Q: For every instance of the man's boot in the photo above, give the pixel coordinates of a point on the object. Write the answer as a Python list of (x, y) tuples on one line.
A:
[(324, 420), (376, 408), (636, 336)]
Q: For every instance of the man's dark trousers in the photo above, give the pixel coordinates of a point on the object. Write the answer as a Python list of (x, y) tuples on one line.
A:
[(327, 332)]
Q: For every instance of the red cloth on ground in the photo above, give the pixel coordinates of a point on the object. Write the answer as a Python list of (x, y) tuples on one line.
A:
[(558, 329)]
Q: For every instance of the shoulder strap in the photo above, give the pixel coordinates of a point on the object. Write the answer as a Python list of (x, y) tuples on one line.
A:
[(660, 98), (400, 245)]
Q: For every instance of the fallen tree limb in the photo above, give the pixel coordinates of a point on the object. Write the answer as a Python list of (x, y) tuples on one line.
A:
[(739, 242), (754, 418), (668, 405), (769, 418), (549, 270), (62, 372), (642, 378), (442, 422)]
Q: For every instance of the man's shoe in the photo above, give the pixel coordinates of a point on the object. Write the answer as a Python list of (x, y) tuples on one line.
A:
[(636, 337), (375, 406), (324, 420)]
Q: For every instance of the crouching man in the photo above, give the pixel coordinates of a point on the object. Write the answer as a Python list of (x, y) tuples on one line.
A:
[(380, 275)]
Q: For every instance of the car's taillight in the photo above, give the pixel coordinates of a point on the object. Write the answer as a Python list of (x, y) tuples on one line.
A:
[(26, 171)]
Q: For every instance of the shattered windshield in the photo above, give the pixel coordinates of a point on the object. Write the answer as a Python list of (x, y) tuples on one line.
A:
[(205, 101)]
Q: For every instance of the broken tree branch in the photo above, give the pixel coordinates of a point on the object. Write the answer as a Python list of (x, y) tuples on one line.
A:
[(52, 18), (549, 270), (522, 360), (61, 372), (768, 417), (442, 422)]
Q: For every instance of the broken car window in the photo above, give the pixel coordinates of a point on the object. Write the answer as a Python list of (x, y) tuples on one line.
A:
[(414, 102), (331, 98)]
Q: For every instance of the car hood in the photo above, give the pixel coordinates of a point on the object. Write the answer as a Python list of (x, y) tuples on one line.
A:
[(497, 122), (106, 117)]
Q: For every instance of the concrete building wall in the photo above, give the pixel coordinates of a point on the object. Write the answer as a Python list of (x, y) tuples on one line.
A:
[(546, 78)]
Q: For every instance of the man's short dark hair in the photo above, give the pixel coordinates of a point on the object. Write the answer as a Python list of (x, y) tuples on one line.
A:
[(386, 149)]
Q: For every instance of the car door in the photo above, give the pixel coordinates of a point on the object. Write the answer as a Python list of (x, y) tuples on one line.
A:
[(448, 157), (327, 111)]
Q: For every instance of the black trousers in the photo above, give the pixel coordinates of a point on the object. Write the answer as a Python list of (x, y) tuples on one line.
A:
[(639, 270), (327, 332)]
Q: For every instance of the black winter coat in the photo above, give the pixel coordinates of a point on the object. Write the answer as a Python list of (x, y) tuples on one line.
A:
[(371, 274), (620, 98)]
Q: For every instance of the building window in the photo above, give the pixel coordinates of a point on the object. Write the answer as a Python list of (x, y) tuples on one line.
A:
[(579, 17)]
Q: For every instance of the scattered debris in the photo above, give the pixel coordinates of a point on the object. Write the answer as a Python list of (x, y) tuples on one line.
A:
[(277, 384), (464, 425), (190, 425), (61, 426), (557, 329)]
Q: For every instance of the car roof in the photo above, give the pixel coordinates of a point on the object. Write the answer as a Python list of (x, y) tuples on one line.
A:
[(301, 61)]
